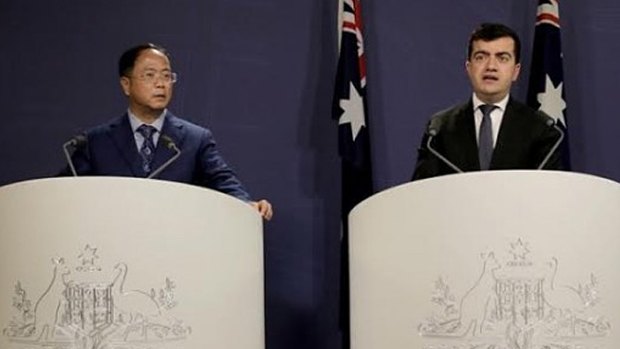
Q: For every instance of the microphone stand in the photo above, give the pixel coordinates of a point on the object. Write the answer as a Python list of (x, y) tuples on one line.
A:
[(555, 146), (170, 144), (432, 133)]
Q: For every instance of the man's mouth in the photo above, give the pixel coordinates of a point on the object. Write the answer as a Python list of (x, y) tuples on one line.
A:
[(489, 78)]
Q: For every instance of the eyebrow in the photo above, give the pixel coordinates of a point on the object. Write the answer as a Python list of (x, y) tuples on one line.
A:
[(155, 70), (487, 53)]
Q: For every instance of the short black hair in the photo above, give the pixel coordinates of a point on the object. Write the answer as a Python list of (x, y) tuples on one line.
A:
[(492, 31), (128, 58)]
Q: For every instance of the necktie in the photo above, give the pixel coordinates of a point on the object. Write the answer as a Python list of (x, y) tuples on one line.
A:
[(147, 151), (485, 137)]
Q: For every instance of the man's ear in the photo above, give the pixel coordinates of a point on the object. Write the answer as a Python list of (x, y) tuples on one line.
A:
[(515, 74), (125, 82)]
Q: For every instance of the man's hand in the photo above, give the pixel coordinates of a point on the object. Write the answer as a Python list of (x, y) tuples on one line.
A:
[(264, 208)]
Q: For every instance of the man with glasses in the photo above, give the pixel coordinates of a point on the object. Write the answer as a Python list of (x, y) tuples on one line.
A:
[(139, 142)]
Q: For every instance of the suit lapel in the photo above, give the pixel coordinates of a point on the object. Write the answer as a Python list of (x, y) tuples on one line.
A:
[(124, 140), (507, 137), (172, 128), (465, 129)]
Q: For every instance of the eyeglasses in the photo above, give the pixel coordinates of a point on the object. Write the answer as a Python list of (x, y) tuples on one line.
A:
[(151, 76)]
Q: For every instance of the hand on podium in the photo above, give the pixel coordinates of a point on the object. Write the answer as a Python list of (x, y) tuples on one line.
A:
[(264, 208)]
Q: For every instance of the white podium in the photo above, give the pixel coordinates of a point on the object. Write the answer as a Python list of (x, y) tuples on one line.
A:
[(502, 260), (125, 263)]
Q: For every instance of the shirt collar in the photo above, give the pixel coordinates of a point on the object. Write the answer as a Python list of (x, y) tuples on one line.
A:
[(501, 105), (135, 122)]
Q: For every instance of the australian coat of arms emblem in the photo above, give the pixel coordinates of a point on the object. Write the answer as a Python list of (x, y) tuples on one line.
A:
[(518, 303), (88, 307)]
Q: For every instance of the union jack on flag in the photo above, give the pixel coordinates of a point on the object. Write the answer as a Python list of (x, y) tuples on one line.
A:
[(546, 85)]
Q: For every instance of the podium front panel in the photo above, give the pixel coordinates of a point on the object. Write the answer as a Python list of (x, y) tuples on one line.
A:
[(125, 263), (493, 260)]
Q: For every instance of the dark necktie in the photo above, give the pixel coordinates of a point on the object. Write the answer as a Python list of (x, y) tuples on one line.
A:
[(147, 151), (485, 137)]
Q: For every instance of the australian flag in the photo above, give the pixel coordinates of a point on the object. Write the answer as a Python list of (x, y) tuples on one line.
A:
[(349, 108), (546, 87)]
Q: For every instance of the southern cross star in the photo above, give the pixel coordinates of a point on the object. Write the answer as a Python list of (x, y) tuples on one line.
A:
[(551, 101), (353, 111)]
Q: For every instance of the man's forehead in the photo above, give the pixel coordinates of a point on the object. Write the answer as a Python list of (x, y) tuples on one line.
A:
[(500, 45), (504, 41), (152, 62)]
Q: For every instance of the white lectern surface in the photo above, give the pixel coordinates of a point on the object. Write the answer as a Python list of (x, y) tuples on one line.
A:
[(493, 260), (124, 263)]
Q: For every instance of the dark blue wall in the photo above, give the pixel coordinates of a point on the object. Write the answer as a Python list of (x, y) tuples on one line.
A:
[(259, 73)]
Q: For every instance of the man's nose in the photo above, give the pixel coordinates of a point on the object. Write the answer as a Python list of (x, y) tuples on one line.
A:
[(492, 64)]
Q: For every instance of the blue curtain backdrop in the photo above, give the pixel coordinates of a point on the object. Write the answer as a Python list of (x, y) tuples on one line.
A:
[(260, 74)]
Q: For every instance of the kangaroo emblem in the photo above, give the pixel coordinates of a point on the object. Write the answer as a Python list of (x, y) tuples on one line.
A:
[(49, 306), (477, 302)]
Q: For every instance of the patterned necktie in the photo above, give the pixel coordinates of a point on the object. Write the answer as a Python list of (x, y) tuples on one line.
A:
[(147, 151), (485, 137)]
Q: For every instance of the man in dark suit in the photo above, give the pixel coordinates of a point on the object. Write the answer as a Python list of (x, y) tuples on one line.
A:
[(491, 131), (138, 142)]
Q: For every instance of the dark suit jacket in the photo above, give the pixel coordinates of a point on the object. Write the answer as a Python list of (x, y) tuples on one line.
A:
[(111, 151), (524, 140)]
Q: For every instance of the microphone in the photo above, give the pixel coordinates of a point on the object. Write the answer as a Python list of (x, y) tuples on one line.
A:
[(75, 142), (551, 122), (432, 133), (168, 143)]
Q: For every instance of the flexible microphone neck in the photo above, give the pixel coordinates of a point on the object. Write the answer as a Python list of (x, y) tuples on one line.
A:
[(432, 133), (551, 123), (168, 143), (75, 143)]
